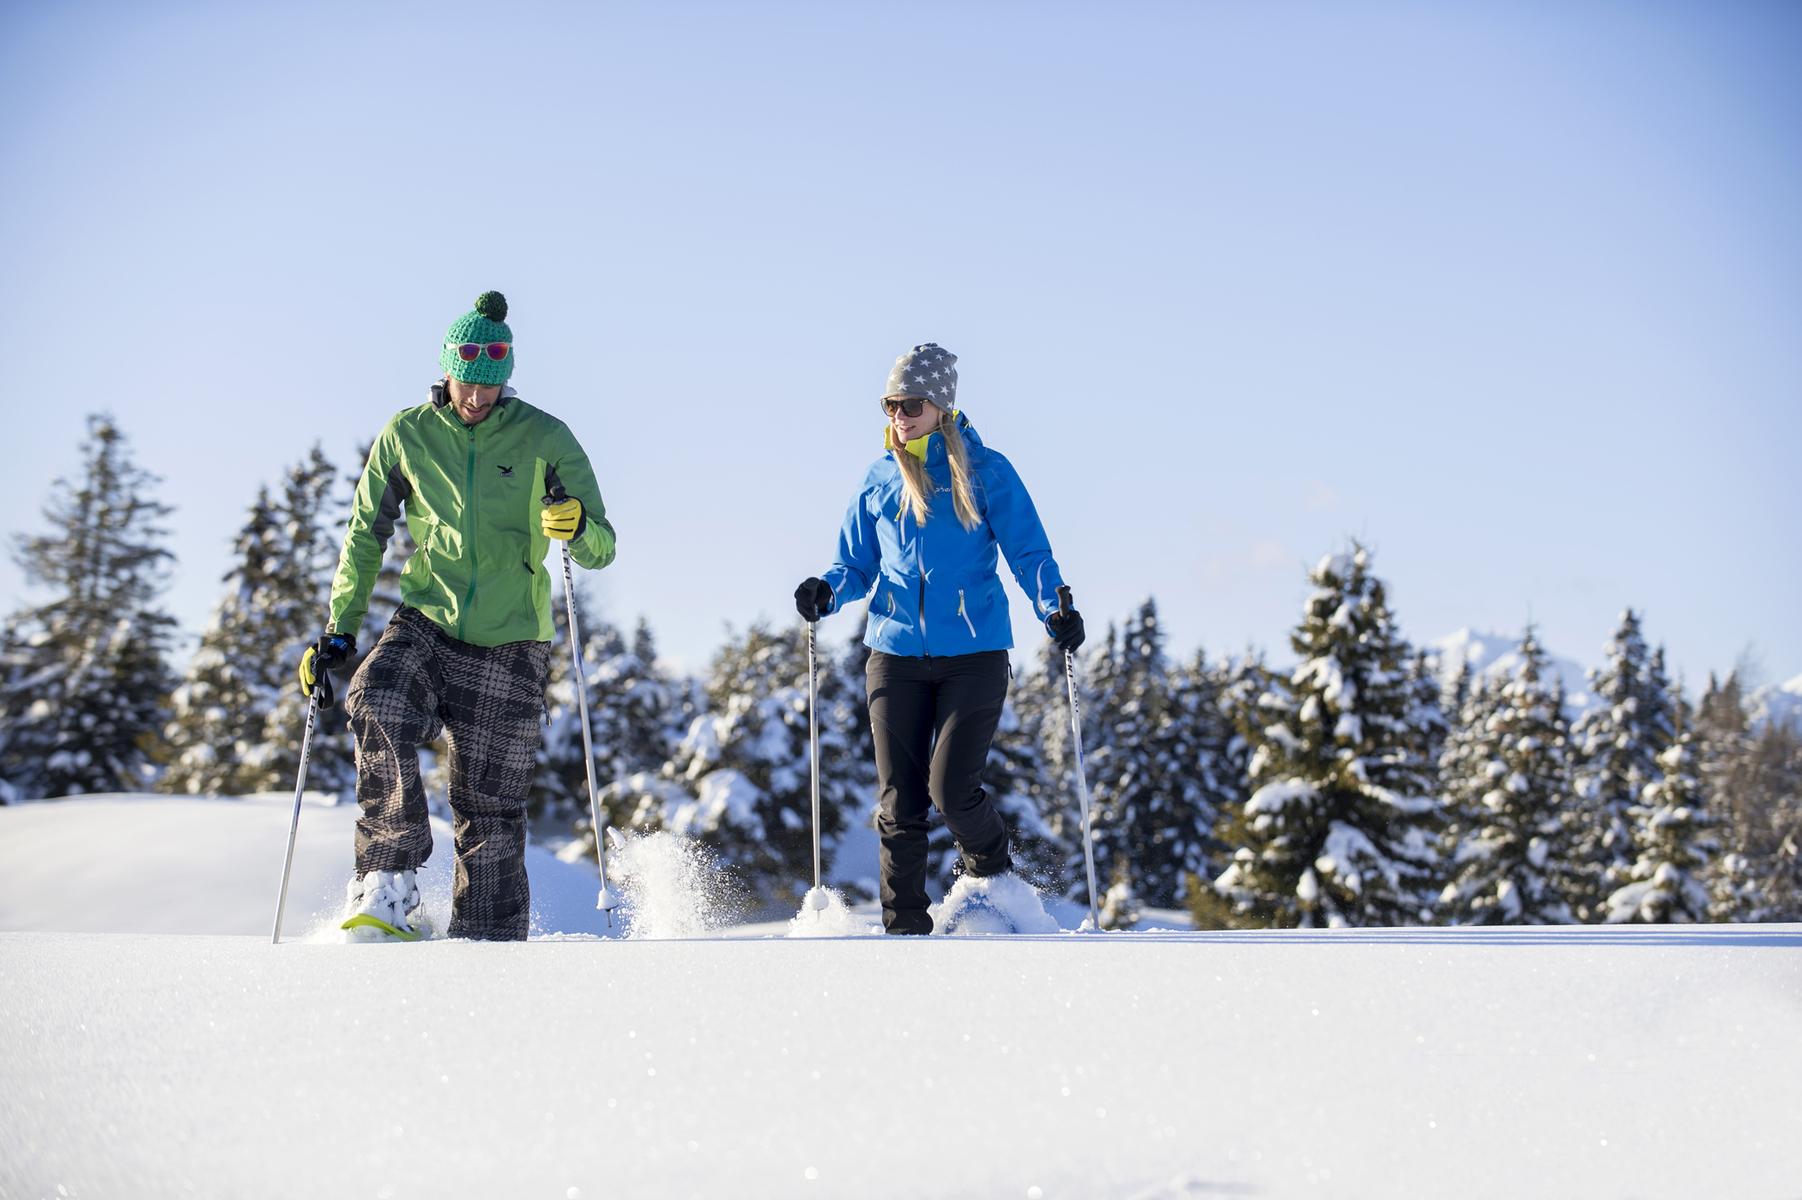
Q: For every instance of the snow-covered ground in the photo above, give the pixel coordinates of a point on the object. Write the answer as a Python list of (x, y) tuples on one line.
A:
[(177, 864), (1573, 1062)]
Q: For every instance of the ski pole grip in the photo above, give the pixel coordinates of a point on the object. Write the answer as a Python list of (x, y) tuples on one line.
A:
[(555, 496), (324, 691), (1063, 600)]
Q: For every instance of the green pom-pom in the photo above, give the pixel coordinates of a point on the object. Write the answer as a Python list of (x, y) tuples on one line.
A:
[(492, 305)]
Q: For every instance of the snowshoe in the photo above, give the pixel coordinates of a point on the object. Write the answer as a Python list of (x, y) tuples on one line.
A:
[(383, 906), (992, 904), (977, 914)]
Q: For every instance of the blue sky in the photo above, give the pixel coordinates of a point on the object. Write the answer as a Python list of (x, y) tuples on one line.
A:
[(1511, 292)]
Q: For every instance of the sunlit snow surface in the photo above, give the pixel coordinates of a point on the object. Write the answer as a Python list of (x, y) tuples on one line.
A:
[(836, 919), (1591, 1062)]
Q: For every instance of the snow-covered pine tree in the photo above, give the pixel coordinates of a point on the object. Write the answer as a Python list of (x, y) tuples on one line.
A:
[(1244, 682), (635, 713), (87, 682), (1152, 824), (1722, 737), (1616, 746), (1759, 877), (220, 709), (1463, 774), (1722, 745), (1507, 780), (291, 610), (1203, 743), (1428, 724), (1455, 693), (1156, 772), (1427, 717), (1675, 837), (1783, 887), (654, 706), (14, 668), (1340, 828)]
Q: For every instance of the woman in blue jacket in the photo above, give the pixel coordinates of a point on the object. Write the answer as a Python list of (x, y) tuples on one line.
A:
[(920, 540)]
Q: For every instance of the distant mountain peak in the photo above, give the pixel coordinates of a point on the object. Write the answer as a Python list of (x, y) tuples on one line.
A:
[(1498, 654), (1778, 702)]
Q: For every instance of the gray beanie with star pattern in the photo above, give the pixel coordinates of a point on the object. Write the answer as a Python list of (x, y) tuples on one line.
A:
[(929, 372)]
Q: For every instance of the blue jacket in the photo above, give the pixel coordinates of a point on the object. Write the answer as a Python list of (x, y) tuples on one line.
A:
[(935, 587)]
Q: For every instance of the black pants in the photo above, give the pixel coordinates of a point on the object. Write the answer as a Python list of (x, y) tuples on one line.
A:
[(933, 720), (487, 701)]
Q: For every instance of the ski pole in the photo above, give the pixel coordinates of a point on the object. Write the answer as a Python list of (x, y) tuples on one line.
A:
[(306, 744), (816, 897), (1082, 778), (606, 901)]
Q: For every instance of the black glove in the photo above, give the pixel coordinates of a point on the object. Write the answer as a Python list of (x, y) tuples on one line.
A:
[(1065, 625), (331, 650), (813, 599)]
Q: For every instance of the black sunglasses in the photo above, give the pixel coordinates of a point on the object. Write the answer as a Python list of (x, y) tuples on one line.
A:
[(912, 406)]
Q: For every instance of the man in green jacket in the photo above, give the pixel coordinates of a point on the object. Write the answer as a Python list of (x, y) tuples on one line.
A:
[(468, 652)]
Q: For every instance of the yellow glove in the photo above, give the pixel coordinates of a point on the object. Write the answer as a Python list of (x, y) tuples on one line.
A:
[(331, 650), (563, 519)]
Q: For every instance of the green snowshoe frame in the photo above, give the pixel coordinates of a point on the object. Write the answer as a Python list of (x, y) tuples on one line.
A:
[(365, 921)]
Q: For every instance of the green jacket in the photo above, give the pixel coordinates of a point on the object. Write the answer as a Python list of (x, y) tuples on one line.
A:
[(472, 498)]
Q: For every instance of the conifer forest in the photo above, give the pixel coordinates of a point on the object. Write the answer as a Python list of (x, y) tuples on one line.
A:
[(1367, 784)]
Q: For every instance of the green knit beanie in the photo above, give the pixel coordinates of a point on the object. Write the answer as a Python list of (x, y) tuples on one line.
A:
[(486, 323)]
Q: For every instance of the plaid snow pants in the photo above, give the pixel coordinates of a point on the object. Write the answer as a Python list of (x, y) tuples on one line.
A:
[(488, 702)]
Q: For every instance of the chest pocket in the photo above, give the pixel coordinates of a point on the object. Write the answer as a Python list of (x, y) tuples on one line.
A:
[(505, 482)]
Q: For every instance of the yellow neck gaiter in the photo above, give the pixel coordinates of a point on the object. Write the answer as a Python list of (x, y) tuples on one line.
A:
[(917, 447)]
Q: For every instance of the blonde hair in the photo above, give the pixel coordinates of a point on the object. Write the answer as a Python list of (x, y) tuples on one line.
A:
[(917, 488)]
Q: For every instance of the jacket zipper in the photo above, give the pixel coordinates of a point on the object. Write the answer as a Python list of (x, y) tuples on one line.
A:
[(924, 644), (920, 553), (469, 534), (965, 615)]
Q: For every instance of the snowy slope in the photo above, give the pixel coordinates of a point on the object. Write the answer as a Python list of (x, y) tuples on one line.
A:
[(176, 864), (1621, 1062), (1497, 655)]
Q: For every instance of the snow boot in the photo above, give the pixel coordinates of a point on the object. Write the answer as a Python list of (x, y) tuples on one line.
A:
[(911, 922), (1002, 903), (383, 906)]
